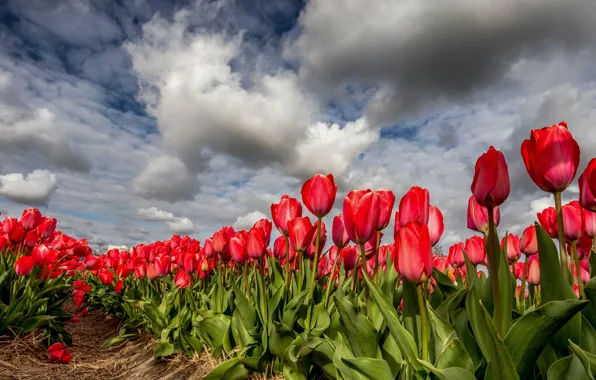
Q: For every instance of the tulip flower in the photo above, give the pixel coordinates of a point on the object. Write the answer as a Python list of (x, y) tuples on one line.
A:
[(386, 202), (548, 221), (237, 247), (24, 265), (478, 216), (182, 279), (349, 256), (318, 194), (265, 225), (476, 250), (583, 247), (208, 250), (58, 353), (310, 251), (338, 233), (255, 243), (413, 253), (528, 243), (301, 233), (414, 207), (46, 227), (573, 221), (435, 224), (361, 215), (587, 186), (512, 250), (491, 179), (518, 270), (287, 209), (589, 218), (551, 156), (118, 286), (456, 255), (534, 270), (30, 219), (105, 276)]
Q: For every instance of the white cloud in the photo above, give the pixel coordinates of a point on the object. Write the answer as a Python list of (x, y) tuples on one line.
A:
[(181, 226), (33, 188), (247, 221), (153, 214)]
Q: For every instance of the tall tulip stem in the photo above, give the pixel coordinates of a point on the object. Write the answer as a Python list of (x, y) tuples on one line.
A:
[(423, 320), (288, 271), (578, 272), (315, 266), (367, 291), (180, 317), (561, 236), (522, 293), (378, 243), (493, 268), (330, 279)]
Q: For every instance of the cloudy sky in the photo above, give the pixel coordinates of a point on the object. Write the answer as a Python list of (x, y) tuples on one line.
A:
[(131, 120)]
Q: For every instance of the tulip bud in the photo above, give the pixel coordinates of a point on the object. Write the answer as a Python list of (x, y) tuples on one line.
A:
[(349, 255), (255, 243), (118, 286), (318, 194), (182, 279), (476, 250), (435, 224), (572, 221), (386, 202), (339, 234), (456, 255), (548, 221), (589, 223), (413, 253), (478, 216), (587, 186), (361, 215), (287, 209), (491, 179), (24, 265), (301, 232), (30, 219), (105, 276), (534, 270), (512, 250), (414, 206), (528, 243)]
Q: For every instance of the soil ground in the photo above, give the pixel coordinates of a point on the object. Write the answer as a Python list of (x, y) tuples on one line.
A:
[(23, 358)]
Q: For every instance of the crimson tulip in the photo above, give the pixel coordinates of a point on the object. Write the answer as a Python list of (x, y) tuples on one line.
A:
[(528, 243), (301, 233), (548, 221), (287, 209), (583, 247), (318, 194), (386, 202), (587, 186), (349, 256), (310, 251), (30, 219), (255, 243), (456, 255), (414, 207), (589, 223), (182, 279), (476, 250), (118, 286), (208, 250), (478, 216), (265, 225), (105, 276), (572, 220), (512, 250), (338, 232), (533, 270), (490, 185), (24, 265), (58, 353), (237, 247), (361, 215), (413, 253), (435, 224), (551, 156)]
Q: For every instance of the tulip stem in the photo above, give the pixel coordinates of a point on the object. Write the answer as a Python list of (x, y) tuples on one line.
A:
[(245, 272), (493, 269), (288, 271), (366, 290), (329, 280), (423, 320), (578, 270), (180, 317), (522, 292), (378, 243), (316, 262), (561, 236)]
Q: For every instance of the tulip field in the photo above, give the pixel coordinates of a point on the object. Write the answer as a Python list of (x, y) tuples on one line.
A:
[(370, 304)]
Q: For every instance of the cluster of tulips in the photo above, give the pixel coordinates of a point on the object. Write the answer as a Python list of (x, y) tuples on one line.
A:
[(363, 309), (37, 267)]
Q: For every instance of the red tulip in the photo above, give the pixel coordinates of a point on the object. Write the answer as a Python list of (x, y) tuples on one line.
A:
[(587, 186), (16, 234), (435, 224), (349, 255), (396, 225), (370, 246), (118, 286), (140, 271), (512, 250), (573, 223), (548, 221), (30, 219), (265, 225), (279, 249), (338, 233), (237, 247), (386, 202), (255, 243), (440, 263), (589, 223), (24, 265), (182, 279), (310, 251), (456, 255), (190, 262), (58, 353), (414, 206), (518, 270), (3, 242), (318, 194), (478, 216), (476, 250), (533, 270), (123, 271), (301, 232), (287, 209), (551, 156), (361, 215), (528, 243), (583, 247), (105, 276), (78, 297), (208, 250), (491, 179), (31, 239), (152, 271), (46, 227), (413, 253)]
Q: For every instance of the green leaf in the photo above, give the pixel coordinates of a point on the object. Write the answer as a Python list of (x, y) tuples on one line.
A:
[(403, 339), (444, 282), (117, 339), (452, 303), (583, 358), (492, 347), (590, 289), (34, 322), (363, 368), (163, 349), (411, 314), (291, 310), (568, 368), (213, 329), (506, 288), (453, 373), (358, 329), (449, 351), (232, 369), (587, 339), (531, 333)]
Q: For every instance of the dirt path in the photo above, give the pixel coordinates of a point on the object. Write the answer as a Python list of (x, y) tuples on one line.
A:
[(22, 358)]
